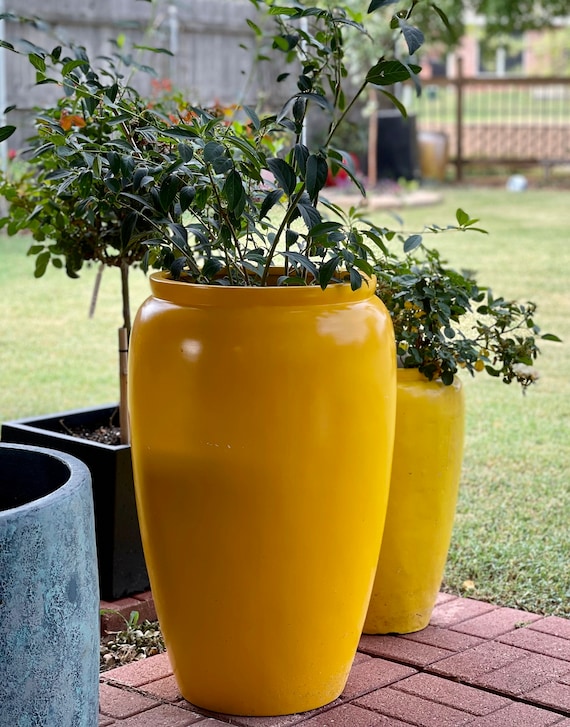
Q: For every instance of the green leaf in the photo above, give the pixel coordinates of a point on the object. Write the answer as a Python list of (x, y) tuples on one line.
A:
[(375, 4), (285, 42), (179, 236), (462, 217), (397, 103), (345, 162), (186, 152), (233, 190), (177, 266), (186, 197), (113, 184), (85, 182), (284, 174), (37, 62), (168, 191), (179, 132), (211, 268), (246, 148), (137, 198), (551, 337), (412, 243), (6, 132), (42, 262), (280, 10), (327, 270), (256, 29), (128, 227), (299, 108), (303, 261), (140, 176), (253, 117), (71, 66), (317, 98), (152, 49), (316, 175), (445, 21), (114, 162), (222, 165), (213, 150), (271, 199), (386, 73), (301, 154), (324, 228), (447, 377), (413, 36), (309, 213), (355, 278), (291, 280)]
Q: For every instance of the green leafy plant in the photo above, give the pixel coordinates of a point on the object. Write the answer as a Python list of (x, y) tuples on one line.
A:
[(444, 320), (61, 197), (119, 180), (122, 182)]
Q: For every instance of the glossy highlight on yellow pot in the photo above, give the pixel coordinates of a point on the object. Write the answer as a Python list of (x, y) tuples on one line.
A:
[(262, 432), (426, 469)]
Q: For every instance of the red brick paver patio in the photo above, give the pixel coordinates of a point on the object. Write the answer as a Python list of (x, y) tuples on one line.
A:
[(476, 664)]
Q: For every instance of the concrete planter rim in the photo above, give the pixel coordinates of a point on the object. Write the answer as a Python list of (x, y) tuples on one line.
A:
[(77, 472)]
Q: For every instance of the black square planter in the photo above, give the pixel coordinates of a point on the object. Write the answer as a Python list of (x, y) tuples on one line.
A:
[(122, 569)]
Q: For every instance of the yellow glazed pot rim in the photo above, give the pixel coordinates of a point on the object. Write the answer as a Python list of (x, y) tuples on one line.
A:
[(411, 374), (187, 293)]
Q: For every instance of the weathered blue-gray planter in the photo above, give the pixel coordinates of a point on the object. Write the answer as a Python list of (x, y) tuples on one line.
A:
[(49, 595)]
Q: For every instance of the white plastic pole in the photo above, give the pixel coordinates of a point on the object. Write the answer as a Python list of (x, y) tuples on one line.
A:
[(4, 145), (173, 29), (304, 25)]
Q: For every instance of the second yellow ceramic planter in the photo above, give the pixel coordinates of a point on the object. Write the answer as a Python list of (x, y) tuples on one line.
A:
[(428, 452), (262, 433)]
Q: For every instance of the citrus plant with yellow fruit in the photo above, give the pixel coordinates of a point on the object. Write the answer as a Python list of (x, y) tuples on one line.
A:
[(445, 320)]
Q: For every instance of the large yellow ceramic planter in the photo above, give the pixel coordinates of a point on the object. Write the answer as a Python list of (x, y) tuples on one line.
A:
[(428, 452), (262, 433)]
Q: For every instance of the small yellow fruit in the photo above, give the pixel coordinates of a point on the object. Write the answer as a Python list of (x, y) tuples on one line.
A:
[(479, 365)]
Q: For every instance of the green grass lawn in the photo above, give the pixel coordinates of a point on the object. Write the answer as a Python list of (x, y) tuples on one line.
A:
[(512, 534), (53, 357)]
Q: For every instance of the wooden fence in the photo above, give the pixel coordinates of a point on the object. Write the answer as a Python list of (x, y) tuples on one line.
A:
[(212, 44), (514, 121)]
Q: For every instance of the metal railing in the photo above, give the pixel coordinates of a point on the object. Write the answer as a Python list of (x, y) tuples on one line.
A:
[(511, 121)]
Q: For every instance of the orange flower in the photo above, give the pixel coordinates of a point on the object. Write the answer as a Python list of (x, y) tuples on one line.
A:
[(161, 85), (67, 120)]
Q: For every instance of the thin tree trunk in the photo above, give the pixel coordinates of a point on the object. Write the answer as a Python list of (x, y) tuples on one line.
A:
[(126, 297), (95, 294), (124, 334)]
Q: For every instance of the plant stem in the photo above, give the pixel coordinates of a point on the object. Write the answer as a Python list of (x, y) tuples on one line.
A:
[(284, 222), (125, 294), (230, 226), (340, 119)]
